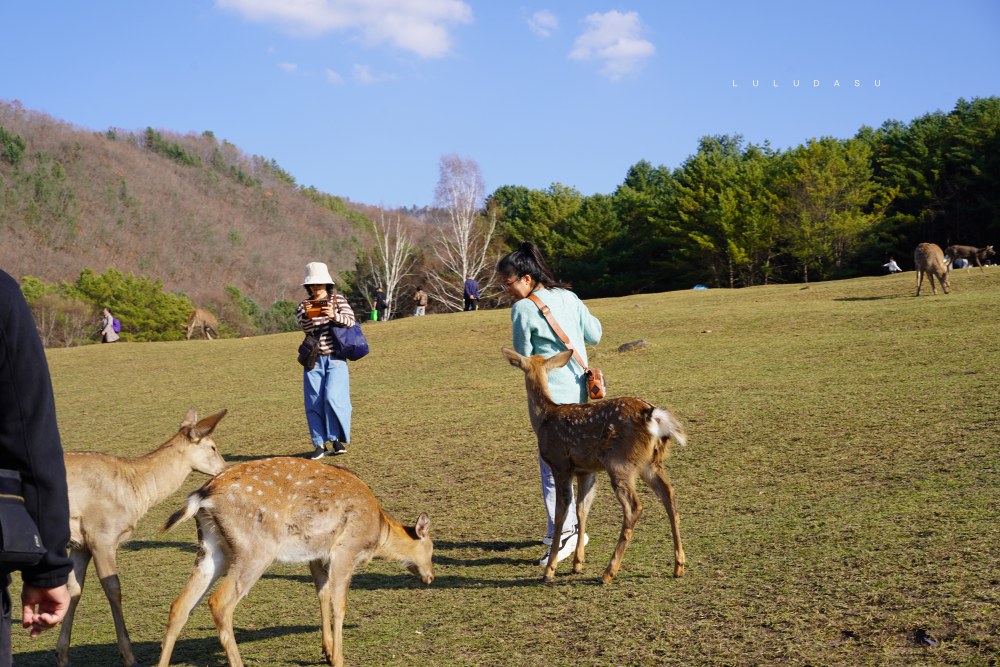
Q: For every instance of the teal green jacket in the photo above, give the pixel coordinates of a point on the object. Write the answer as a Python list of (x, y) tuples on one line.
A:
[(533, 335)]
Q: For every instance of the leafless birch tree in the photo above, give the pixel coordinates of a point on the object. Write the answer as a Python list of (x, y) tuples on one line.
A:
[(391, 259), (464, 233)]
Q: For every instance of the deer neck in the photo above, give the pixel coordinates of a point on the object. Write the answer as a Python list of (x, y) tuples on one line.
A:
[(540, 402), (395, 542), (160, 473)]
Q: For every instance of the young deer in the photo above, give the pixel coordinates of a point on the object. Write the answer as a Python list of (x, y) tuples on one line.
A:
[(203, 320), (928, 259), (627, 437), (107, 497), (292, 510)]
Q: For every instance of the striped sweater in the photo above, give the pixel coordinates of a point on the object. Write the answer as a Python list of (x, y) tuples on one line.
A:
[(320, 326)]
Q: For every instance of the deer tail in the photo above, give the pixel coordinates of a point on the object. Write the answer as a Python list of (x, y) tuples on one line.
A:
[(664, 425), (192, 505)]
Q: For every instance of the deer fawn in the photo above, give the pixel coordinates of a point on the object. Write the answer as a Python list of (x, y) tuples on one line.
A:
[(107, 497), (291, 510), (627, 437), (928, 259)]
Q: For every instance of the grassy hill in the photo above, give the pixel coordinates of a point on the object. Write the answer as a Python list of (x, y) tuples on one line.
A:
[(190, 210), (838, 495)]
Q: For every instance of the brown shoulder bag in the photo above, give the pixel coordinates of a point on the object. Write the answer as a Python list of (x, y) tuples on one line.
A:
[(596, 388)]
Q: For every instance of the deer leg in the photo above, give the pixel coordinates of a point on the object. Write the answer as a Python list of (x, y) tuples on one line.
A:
[(564, 489), (585, 492), (209, 565), (333, 598), (920, 280), (657, 480), (105, 563), (81, 559), (631, 511), (233, 588)]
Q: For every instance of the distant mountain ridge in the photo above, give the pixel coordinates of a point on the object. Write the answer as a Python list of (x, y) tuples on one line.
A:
[(196, 213)]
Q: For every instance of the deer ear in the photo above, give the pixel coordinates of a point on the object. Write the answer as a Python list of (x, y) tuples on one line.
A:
[(190, 419), (207, 425), (558, 360), (423, 526), (513, 357)]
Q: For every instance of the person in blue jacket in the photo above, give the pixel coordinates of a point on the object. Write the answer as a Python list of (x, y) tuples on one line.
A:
[(523, 272), (30, 446), (471, 294)]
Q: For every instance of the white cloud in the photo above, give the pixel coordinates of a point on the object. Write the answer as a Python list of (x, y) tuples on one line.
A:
[(419, 26), (333, 76), (615, 39), (290, 68), (363, 74), (543, 23)]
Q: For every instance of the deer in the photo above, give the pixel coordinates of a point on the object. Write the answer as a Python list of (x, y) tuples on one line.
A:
[(108, 495), (291, 510), (929, 259), (626, 436), (204, 320), (978, 255)]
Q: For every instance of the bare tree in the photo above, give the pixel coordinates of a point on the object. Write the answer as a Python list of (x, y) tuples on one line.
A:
[(392, 258), (464, 233)]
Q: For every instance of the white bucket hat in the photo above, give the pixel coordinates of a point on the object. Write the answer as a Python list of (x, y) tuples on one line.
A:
[(317, 274)]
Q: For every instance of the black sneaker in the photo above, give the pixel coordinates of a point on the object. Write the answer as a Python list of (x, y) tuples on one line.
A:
[(318, 454), (338, 447)]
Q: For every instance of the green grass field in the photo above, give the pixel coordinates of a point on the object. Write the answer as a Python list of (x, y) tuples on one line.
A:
[(838, 495)]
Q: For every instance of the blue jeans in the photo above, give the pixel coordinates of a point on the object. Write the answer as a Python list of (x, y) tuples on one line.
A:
[(327, 390)]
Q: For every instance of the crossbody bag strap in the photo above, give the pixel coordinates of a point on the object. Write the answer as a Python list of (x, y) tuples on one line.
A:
[(547, 314)]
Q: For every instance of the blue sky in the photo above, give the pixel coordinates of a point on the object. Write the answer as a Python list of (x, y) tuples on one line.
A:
[(361, 98)]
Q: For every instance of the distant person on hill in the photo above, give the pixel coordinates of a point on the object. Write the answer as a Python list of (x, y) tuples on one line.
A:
[(420, 298), (524, 272), (108, 333), (33, 478), (891, 266), (379, 304), (471, 294), (327, 385)]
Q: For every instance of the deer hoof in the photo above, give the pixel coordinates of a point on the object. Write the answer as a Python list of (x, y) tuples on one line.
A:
[(578, 568), (548, 578), (607, 577), (678, 570)]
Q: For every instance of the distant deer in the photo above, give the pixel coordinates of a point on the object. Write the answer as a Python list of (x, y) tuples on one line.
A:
[(107, 497), (978, 255), (627, 437), (204, 320), (929, 259), (292, 510)]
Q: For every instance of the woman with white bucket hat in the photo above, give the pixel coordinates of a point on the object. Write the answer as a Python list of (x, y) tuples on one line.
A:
[(326, 386)]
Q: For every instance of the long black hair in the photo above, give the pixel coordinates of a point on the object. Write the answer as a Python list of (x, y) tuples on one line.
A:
[(527, 260)]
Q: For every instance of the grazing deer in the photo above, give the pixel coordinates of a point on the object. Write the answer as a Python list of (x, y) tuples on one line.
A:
[(978, 255), (204, 320), (291, 510), (627, 437), (107, 497), (929, 259)]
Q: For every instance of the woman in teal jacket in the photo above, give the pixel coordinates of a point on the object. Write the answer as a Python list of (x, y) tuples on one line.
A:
[(523, 272)]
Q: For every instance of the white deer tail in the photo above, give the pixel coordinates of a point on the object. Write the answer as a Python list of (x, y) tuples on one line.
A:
[(190, 508), (664, 425)]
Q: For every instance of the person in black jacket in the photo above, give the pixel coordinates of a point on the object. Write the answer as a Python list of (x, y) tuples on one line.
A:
[(379, 304), (30, 445)]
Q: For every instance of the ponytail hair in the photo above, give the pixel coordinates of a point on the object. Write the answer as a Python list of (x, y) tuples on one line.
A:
[(527, 260)]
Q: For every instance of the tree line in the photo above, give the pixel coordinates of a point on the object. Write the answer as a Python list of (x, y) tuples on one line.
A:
[(737, 214)]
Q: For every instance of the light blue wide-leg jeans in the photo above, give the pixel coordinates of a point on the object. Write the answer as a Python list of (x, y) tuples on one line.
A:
[(327, 391)]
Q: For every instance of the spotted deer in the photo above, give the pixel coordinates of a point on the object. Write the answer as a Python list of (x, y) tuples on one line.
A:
[(204, 320), (977, 255), (291, 510), (107, 497), (627, 437), (929, 259)]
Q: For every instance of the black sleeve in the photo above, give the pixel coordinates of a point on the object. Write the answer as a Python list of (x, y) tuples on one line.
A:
[(29, 434)]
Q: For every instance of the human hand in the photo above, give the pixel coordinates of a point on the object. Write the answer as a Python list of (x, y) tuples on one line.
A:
[(51, 603)]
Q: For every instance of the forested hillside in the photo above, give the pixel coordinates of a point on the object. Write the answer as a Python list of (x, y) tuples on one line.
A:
[(190, 211)]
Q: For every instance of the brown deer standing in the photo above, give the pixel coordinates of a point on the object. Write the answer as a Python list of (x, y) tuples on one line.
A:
[(626, 436), (204, 320), (929, 259), (978, 255), (107, 497), (292, 510)]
